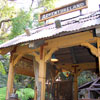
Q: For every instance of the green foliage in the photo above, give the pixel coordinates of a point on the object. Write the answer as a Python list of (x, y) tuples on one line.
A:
[(36, 22), (2, 93), (2, 70), (19, 23), (49, 4), (22, 81), (86, 76), (25, 94), (6, 12)]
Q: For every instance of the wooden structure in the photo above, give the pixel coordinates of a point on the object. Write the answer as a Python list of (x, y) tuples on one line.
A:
[(62, 90), (76, 44), (93, 89)]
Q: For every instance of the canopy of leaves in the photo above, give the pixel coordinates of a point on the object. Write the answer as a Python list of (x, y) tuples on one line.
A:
[(6, 14), (48, 4), (19, 23)]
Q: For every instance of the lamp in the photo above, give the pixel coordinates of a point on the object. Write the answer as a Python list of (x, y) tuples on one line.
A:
[(53, 58)]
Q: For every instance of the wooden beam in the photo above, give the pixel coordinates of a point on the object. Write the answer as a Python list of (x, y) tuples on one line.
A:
[(81, 67), (71, 40), (25, 49), (93, 49), (49, 54), (17, 59), (98, 48), (75, 86), (42, 75), (6, 50)]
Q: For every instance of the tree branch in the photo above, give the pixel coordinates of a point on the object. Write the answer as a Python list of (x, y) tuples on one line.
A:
[(31, 4), (6, 20)]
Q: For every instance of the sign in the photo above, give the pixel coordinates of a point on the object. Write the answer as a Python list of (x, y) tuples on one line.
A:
[(63, 10)]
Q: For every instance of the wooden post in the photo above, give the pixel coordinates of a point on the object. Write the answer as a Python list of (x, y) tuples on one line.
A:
[(75, 83), (75, 87), (42, 73), (10, 79), (42, 59), (98, 46), (42, 77)]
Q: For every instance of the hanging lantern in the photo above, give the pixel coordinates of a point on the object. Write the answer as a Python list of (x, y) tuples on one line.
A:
[(54, 59)]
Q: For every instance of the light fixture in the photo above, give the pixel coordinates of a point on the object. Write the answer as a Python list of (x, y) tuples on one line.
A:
[(54, 59)]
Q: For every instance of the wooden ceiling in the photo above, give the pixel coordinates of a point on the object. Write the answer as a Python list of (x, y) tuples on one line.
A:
[(74, 55)]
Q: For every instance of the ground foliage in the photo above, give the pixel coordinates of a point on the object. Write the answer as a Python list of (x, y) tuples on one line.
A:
[(2, 93), (23, 94)]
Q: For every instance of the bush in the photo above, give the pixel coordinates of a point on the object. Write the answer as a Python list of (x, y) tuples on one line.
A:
[(2, 93), (25, 94)]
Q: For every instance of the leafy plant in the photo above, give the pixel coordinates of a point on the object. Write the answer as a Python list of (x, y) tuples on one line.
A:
[(25, 94), (2, 93), (49, 4), (2, 70), (86, 76)]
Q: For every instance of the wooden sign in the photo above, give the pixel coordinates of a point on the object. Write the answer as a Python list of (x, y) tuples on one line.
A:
[(63, 10)]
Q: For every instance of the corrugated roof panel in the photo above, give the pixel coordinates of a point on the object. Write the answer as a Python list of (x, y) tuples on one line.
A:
[(69, 26)]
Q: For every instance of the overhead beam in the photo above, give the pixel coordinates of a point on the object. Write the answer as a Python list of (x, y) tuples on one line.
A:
[(71, 40), (81, 66), (24, 49), (6, 50)]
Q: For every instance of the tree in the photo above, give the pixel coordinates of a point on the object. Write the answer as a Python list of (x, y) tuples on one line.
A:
[(6, 14)]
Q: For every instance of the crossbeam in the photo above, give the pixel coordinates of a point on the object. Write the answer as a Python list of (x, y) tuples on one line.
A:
[(71, 40)]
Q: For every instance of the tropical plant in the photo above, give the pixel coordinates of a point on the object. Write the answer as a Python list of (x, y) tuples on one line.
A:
[(25, 94)]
